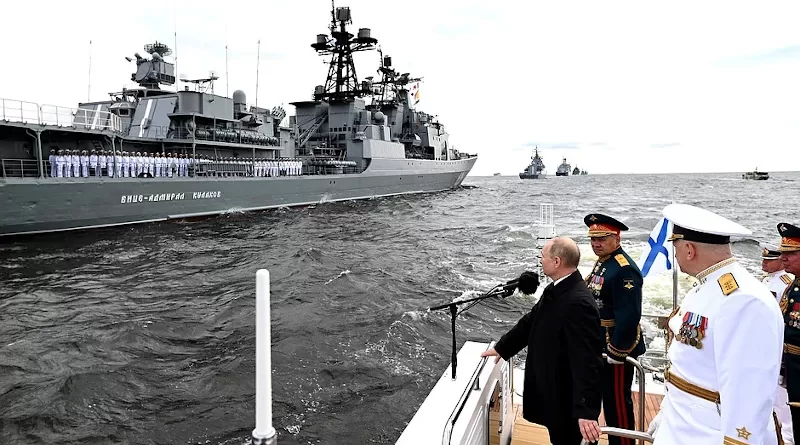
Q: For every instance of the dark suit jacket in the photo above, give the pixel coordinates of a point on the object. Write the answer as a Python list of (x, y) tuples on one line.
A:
[(564, 364)]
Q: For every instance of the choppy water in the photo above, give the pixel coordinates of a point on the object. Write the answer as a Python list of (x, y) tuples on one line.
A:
[(145, 334)]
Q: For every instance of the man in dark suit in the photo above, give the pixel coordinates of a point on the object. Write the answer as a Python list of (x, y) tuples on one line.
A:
[(562, 331)]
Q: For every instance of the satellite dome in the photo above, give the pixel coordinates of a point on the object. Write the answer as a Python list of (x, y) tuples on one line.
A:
[(379, 117), (239, 97)]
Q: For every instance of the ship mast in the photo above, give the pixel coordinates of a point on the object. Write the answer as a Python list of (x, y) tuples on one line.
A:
[(342, 83)]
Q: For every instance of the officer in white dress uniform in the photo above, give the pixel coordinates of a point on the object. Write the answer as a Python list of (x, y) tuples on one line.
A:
[(84, 160), (60, 163), (777, 280), (725, 342)]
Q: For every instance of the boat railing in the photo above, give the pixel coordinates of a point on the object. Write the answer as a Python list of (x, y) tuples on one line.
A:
[(20, 168), (32, 113), (473, 386), (619, 432), (642, 393)]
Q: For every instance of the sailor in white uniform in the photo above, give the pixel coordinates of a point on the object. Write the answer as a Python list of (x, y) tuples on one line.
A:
[(101, 162), (777, 280), (725, 342), (52, 160), (84, 160), (76, 164), (61, 162)]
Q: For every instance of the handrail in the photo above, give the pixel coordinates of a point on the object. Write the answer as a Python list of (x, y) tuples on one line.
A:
[(32, 113), (611, 431), (642, 393), (448, 429)]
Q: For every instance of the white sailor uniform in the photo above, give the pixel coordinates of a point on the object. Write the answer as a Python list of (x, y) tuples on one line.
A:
[(725, 348), (728, 339)]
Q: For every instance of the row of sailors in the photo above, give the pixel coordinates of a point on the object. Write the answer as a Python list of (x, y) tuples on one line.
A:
[(72, 163)]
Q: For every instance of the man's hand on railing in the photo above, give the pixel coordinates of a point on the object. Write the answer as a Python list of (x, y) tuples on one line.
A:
[(491, 353), (590, 430)]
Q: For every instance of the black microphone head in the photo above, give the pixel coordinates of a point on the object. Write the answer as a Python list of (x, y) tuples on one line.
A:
[(528, 282)]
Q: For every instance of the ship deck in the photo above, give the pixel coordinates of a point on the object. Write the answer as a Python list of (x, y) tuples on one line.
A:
[(527, 433)]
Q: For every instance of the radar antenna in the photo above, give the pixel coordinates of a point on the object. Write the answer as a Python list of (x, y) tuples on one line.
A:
[(150, 73), (159, 48), (393, 85), (342, 83)]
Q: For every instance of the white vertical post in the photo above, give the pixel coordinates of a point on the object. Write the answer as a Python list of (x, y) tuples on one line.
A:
[(264, 433)]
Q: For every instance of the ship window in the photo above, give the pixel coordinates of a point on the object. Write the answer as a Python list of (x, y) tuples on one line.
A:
[(341, 136), (123, 112)]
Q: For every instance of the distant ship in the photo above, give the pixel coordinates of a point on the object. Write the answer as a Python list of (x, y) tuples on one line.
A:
[(535, 169), (584, 172), (497, 174), (756, 175), (563, 169), (576, 170)]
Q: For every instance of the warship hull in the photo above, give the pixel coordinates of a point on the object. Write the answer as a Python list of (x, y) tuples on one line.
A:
[(529, 176), (33, 206)]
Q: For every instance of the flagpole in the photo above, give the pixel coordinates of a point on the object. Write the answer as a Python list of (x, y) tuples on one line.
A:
[(674, 281)]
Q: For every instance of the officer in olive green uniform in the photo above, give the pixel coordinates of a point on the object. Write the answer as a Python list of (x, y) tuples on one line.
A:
[(790, 305), (616, 283)]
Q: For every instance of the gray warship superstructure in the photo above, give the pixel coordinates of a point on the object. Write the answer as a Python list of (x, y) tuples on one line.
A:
[(149, 154), (563, 169), (535, 169)]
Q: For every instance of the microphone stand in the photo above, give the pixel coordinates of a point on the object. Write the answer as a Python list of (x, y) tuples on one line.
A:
[(497, 291)]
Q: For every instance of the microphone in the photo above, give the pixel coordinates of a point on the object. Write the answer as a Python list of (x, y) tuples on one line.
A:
[(527, 283)]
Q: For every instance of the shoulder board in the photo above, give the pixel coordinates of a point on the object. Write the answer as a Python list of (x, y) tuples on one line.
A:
[(727, 283), (621, 260), (786, 279)]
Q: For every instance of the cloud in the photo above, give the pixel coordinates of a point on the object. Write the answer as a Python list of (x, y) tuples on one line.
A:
[(666, 145), (554, 145), (775, 55)]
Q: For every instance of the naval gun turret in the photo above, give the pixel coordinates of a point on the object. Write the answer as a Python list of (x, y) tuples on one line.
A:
[(152, 72)]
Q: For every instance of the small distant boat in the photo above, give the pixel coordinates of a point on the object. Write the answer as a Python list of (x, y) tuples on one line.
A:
[(576, 170), (497, 174), (584, 172), (756, 175)]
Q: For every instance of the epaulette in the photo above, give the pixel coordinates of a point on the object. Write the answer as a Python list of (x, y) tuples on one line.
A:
[(727, 283), (786, 279), (621, 260)]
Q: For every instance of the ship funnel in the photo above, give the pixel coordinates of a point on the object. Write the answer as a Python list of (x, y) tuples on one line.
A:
[(322, 39), (387, 61), (319, 89), (364, 33)]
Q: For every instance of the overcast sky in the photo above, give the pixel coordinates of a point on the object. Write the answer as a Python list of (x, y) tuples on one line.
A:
[(615, 87)]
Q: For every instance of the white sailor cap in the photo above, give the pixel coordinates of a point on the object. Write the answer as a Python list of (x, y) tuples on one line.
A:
[(692, 223), (769, 251)]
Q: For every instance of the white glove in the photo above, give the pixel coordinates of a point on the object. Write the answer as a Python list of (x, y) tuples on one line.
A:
[(651, 430), (611, 361)]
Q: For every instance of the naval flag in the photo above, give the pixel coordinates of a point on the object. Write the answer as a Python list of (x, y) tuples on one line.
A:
[(658, 255)]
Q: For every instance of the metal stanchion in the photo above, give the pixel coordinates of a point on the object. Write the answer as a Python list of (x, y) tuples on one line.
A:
[(619, 432)]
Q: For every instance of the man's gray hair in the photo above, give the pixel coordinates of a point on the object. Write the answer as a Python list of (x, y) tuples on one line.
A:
[(566, 249)]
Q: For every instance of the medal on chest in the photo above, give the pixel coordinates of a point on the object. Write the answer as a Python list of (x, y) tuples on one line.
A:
[(693, 330)]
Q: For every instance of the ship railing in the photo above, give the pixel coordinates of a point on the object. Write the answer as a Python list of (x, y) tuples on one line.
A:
[(32, 113), (21, 168)]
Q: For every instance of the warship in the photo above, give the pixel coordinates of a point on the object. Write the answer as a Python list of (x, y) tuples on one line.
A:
[(756, 175), (535, 169), (563, 169), (150, 154)]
